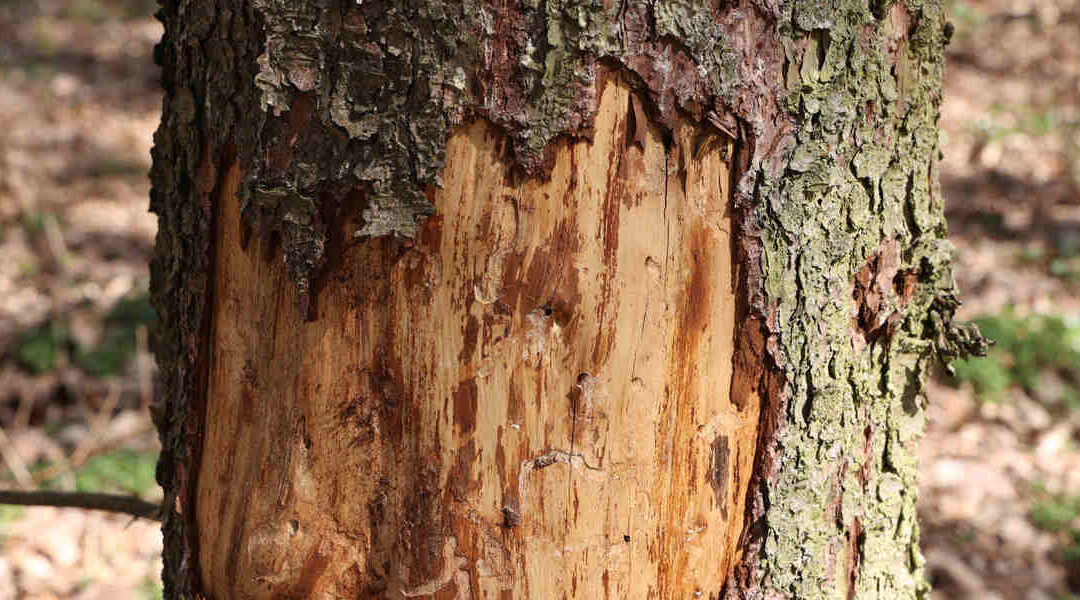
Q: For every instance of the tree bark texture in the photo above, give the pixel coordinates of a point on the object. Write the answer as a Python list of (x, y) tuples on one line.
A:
[(547, 299)]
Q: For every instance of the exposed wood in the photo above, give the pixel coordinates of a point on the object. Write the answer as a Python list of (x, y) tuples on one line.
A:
[(533, 400)]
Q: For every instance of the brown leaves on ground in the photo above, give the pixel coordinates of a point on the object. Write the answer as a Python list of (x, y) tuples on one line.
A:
[(1010, 126)]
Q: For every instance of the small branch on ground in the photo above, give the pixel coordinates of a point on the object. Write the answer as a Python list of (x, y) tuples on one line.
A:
[(14, 462), (128, 505)]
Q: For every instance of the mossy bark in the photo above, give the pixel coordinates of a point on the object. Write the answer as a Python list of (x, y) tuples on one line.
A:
[(330, 107)]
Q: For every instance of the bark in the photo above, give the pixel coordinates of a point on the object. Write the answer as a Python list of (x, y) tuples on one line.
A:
[(466, 201)]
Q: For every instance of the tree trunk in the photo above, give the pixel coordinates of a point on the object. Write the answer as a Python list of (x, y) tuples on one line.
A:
[(547, 299)]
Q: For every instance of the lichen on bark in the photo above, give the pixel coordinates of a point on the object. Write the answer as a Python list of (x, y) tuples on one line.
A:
[(857, 284)]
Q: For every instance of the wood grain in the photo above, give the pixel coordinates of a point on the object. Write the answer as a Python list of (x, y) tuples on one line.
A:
[(530, 400)]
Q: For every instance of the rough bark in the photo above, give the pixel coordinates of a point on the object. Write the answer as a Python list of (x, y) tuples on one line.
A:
[(334, 112)]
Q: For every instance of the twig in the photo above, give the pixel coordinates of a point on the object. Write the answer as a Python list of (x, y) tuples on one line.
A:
[(54, 236), (98, 422), (13, 461), (128, 505)]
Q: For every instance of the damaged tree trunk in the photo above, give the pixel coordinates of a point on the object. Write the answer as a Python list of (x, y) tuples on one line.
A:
[(529, 397), (547, 300)]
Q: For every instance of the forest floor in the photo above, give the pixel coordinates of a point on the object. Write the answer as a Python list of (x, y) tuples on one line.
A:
[(79, 101), (1000, 467)]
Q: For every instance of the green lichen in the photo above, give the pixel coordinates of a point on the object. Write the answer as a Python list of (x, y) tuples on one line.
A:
[(861, 174), (694, 25)]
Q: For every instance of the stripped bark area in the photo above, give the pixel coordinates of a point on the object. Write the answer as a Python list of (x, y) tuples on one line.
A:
[(529, 401)]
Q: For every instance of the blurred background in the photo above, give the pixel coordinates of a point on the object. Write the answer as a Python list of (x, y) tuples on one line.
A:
[(79, 102)]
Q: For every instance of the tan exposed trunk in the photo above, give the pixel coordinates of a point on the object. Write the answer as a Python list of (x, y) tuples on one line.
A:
[(532, 400)]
